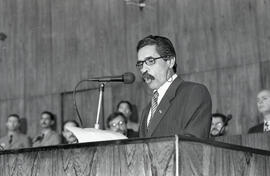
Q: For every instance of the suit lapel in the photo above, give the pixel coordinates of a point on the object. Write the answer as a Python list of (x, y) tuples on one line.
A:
[(143, 124), (162, 107)]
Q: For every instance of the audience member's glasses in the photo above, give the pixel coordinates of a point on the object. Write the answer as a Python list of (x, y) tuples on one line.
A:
[(120, 123), (150, 61), (219, 124)]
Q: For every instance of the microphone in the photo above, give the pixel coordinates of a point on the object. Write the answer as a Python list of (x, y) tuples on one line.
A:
[(126, 78)]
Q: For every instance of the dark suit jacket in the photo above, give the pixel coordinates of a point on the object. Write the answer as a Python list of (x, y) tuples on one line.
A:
[(257, 128), (185, 109)]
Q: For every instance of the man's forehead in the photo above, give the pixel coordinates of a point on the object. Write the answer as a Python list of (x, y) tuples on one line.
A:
[(147, 51), (264, 93), (118, 118), (217, 119)]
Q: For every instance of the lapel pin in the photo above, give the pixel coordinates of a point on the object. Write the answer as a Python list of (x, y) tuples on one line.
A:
[(160, 111)]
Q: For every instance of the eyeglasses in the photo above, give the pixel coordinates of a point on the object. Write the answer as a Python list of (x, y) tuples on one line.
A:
[(120, 123), (150, 61)]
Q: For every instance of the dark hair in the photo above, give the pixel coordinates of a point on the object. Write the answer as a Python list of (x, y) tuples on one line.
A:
[(52, 116), (163, 45), (14, 115), (72, 121), (113, 116), (124, 101), (223, 117)]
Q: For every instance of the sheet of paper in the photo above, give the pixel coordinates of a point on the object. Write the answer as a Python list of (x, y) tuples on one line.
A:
[(94, 135)]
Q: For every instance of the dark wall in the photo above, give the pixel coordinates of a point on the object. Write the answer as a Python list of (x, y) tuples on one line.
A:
[(52, 45)]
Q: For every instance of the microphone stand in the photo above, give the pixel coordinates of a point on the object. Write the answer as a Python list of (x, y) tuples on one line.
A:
[(101, 91)]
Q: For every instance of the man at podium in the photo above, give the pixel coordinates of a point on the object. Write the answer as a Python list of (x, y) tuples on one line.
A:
[(177, 106)]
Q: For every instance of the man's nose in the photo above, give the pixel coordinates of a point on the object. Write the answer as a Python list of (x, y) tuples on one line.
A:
[(144, 68)]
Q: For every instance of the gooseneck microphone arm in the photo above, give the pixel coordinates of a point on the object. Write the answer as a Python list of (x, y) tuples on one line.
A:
[(126, 78)]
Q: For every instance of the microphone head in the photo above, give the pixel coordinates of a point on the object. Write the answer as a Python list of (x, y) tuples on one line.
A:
[(128, 78)]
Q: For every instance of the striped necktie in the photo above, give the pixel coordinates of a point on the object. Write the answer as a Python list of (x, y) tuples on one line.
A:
[(154, 104)]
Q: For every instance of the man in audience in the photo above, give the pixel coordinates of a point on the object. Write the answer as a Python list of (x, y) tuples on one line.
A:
[(177, 106), (117, 122), (263, 105), (219, 124), (69, 137), (48, 136), (14, 138)]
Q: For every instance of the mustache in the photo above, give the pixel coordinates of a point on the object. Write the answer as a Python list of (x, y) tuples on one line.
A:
[(146, 75)]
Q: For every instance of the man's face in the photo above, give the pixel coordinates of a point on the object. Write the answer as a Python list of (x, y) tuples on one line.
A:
[(69, 136), (263, 102), (118, 125), (13, 123), (216, 126), (158, 71), (124, 108), (46, 121)]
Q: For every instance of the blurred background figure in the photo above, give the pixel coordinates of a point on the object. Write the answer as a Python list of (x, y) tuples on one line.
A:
[(47, 135), (219, 124), (14, 138), (117, 122), (69, 137), (263, 105), (127, 109)]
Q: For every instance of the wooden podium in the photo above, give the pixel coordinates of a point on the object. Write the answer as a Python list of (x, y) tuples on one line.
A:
[(167, 156)]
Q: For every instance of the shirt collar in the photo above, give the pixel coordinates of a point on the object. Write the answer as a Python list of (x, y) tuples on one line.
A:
[(162, 90)]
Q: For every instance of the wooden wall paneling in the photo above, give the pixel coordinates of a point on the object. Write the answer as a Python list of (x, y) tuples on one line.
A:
[(38, 50), (35, 105), (167, 19), (262, 18), (87, 62), (13, 76), (257, 140), (4, 52), (233, 91), (238, 88), (235, 33), (10, 107), (198, 159), (72, 45), (102, 37), (265, 74), (117, 60), (195, 42), (152, 159), (230, 139)]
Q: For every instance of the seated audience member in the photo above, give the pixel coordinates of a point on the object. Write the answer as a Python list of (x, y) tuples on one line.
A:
[(69, 137), (126, 108), (117, 122), (47, 136), (219, 124), (14, 138), (263, 105)]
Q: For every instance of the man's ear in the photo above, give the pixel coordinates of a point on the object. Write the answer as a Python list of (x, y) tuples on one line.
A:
[(171, 62)]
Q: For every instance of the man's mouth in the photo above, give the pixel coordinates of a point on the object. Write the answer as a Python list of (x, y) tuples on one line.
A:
[(147, 77)]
